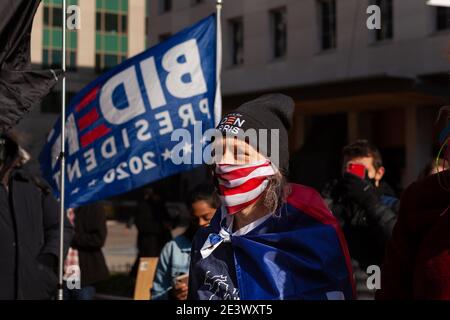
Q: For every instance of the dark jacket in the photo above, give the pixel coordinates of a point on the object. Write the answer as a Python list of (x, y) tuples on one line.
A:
[(89, 239), (366, 232), (417, 264), (152, 234), (150, 219), (29, 239)]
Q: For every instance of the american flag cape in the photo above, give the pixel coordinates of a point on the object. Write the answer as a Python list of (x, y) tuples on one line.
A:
[(300, 255)]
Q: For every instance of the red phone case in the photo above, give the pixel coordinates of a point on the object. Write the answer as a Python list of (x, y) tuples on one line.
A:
[(356, 169)]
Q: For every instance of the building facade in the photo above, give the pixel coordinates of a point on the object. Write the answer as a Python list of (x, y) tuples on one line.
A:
[(348, 82)]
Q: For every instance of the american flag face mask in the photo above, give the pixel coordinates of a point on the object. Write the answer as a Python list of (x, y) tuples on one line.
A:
[(240, 186)]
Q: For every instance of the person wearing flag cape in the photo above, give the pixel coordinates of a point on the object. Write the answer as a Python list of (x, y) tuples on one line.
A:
[(270, 240)]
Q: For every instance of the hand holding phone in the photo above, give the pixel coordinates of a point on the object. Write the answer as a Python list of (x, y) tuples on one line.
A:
[(180, 287), (358, 170), (356, 187)]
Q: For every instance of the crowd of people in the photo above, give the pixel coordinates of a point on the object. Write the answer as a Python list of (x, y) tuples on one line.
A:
[(253, 235), (408, 238)]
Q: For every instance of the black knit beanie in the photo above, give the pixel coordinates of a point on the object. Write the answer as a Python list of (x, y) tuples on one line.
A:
[(271, 111)]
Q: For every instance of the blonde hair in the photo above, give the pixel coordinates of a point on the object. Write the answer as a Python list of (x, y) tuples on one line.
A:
[(276, 193)]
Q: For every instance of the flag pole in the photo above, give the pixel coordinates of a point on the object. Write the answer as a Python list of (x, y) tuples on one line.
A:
[(62, 157), (218, 99)]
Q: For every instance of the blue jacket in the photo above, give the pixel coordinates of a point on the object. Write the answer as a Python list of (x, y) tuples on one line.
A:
[(173, 262), (300, 253)]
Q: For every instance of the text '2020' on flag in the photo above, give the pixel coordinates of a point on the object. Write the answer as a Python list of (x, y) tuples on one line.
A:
[(21, 88), (119, 128)]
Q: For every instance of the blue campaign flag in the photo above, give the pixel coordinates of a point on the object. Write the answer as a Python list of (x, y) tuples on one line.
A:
[(120, 128)]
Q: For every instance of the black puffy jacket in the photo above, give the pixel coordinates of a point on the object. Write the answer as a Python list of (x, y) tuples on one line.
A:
[(367, 233), (89, 239)]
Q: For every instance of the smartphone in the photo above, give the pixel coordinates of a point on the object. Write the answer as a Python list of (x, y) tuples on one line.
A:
[(183, 279), (357, 169)]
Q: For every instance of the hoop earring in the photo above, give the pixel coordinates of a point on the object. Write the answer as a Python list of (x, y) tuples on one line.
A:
[(445, 186)]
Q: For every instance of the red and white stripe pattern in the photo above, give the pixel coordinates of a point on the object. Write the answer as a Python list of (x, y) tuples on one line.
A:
[(242, 185), (231, 120)]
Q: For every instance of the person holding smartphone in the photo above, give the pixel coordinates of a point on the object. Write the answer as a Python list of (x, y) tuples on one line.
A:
[(366, 207), (171, 278)]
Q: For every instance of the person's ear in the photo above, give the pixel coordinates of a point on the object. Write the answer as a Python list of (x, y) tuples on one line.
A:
[(380, 173)]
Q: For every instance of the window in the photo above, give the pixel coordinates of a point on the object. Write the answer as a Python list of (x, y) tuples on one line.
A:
[(52, 15), (279, 32), (442, 18), (327, 19), (124, 24), (163, 37), (111, 33), (387, 24), (108, 22), (165, 6), (111, 22), (237, 41), (52, 37)]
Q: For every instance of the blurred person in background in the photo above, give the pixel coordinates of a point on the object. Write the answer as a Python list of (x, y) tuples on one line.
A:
[(29, 229), (86, 250), (417, 263), (153, 224), (175, 256), (366, 207), (433, 167)]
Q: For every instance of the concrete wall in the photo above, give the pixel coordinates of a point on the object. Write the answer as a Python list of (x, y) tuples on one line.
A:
[(86, 35), (415, 49), (136, 27)]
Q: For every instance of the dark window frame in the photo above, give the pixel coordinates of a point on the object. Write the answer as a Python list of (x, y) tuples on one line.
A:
[(165, 6), (236, 26), (279, 33), (327, 24), (387, 20), (52, 56), (196, 2), (442, 15), (164, 36), (102, 56)]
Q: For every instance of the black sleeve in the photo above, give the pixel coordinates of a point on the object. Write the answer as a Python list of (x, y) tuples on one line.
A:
[(383, 218), (93, 234), (193, 283), (50, 212), (398, 267)]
